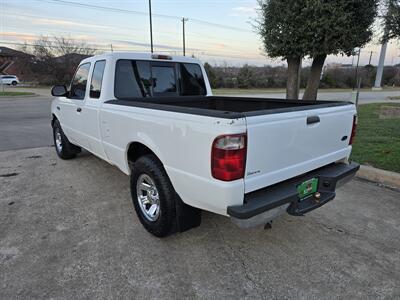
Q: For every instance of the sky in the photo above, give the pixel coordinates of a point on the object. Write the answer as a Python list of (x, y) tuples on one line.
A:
[(217, 31)]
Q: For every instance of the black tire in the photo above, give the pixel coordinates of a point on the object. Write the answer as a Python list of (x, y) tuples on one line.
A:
[(67, 149), (149, 165), (14, 83)]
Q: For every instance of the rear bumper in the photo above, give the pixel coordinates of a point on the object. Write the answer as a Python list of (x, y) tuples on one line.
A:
[(263, 205)]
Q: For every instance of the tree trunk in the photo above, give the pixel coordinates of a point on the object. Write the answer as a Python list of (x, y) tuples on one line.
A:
[(314, 78), (292, 84)]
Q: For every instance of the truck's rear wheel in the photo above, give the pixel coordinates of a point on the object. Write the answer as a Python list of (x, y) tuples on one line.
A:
[(153, 196), (64, 149)]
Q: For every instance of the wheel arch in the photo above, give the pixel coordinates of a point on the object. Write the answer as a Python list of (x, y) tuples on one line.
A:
[(135, 150), (53, 119), (187, 216)]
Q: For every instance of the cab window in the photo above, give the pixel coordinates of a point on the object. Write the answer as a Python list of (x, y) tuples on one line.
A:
[(191, 80), (78, 84), (97, 78), (142, 79)]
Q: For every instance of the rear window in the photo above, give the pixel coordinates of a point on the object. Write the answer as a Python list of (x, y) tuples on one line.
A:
[(164, 79), (141, 79)]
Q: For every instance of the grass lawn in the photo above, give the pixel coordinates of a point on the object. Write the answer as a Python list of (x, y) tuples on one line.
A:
[(394, 98), (228, 91), (377, 141), (11, 94)]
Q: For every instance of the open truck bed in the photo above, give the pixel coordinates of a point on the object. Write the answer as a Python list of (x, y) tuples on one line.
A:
[(285, 138), (226, 107)]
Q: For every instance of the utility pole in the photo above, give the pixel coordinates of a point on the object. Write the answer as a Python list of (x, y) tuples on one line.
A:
[(112, 50), (370, 58), (151, 28), (183, 31), (299, 76), (356, 75), (379, 72)]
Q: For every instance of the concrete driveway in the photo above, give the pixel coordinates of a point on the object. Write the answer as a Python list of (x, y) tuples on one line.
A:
[(68, 231)]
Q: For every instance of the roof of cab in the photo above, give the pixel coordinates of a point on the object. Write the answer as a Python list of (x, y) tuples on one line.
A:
[(139, 56)]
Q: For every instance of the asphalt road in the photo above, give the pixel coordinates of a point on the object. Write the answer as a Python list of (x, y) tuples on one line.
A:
[(24, 122), (68, 231)]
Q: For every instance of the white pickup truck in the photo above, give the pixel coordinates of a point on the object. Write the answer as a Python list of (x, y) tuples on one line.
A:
[(154, 117)]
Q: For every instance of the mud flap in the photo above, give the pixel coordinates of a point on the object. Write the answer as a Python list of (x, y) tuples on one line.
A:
[(187, 217)]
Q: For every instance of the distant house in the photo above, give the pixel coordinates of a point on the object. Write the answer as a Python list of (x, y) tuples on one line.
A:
[(13, 62)]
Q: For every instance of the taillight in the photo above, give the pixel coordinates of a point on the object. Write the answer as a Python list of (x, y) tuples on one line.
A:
[(353, 130), (228, 157)]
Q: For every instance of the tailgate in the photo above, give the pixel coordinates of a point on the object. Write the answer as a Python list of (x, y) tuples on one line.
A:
[(285, 145)]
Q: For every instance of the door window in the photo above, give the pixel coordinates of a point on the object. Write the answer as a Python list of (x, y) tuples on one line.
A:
[(78, 85), (97, 78)]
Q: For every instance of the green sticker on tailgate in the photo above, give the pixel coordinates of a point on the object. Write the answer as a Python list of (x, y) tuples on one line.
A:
[(307, 188)]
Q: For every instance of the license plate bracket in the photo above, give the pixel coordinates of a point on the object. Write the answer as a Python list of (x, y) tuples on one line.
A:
[(307, 188)]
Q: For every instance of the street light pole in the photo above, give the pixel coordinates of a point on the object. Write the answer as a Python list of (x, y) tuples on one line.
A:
[(183, 31), (379, 71), (151, 28)]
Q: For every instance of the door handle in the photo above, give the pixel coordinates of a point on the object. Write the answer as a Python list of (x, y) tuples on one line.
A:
[(312, 120), (79, 109)]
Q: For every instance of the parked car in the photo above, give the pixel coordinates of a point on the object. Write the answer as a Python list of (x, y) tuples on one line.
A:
[(9, 79), (155, 118)]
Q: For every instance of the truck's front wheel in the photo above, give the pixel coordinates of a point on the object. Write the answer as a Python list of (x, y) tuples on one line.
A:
[(64, 148), (153, 196)]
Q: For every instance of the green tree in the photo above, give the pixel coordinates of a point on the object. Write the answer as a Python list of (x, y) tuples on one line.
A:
[(392, 20), (337, 28), (313, 28), (278, 26), (245, 77)]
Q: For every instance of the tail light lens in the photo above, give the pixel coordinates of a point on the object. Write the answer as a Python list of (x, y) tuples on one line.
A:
[(228, 157), (353, 130)]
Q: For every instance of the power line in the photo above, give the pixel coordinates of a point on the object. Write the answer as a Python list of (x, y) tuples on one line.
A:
[(106, 8), (125, 35), (219, 25), (110, 40), (120, 10), (107, 29), (107, 49)]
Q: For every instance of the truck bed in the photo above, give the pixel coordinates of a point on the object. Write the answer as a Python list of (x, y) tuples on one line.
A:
[(226, 107)]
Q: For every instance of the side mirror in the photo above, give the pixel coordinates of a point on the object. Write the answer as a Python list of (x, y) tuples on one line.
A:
[(59, 91)]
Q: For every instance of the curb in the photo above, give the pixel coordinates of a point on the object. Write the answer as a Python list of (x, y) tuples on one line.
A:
[(387, 178)]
